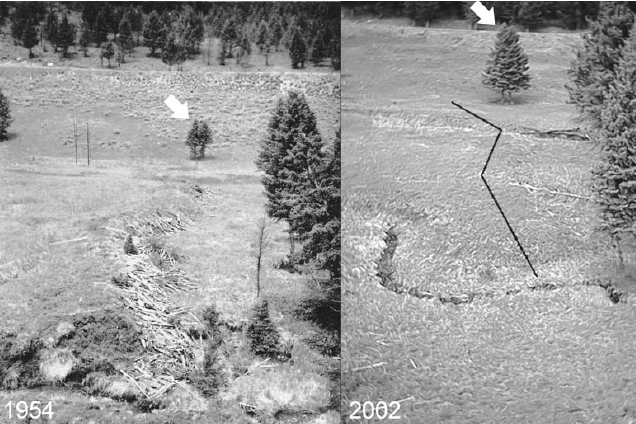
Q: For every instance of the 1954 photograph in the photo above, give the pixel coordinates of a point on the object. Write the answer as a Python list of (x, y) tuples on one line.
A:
[(488, 212), (169, 212)]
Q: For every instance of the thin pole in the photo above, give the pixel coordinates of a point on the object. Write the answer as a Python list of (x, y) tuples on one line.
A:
[(75, 133), (88, 146)]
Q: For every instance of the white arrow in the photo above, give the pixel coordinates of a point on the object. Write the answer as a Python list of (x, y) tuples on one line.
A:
[(180, 110), (486, 17)]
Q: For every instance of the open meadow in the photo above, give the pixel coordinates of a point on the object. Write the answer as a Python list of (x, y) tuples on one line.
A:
[(72, 329), (515, 348)]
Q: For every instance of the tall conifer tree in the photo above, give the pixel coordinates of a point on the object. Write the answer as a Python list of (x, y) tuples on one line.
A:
[(595, 66), (614, 179), (507, 69)]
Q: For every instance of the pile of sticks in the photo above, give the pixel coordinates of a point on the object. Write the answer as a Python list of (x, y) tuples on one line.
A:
[(169, 349), (158, 223)]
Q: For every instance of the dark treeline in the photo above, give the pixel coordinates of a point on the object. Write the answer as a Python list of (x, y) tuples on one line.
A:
[(531, 15), (174, 31)]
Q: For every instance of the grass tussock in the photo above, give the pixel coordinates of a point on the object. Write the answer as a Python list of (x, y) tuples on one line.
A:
[(116, 387), (284, 390), (56, 364)]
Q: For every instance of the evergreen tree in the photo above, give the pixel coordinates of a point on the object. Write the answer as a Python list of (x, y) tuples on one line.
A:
[(222, 53), (574, 14), (135, 17), (107, 52), (530, 14), (288, 157), (317, 217), (318, 49), (243, 46), (30, 36), (335, 53), (5, 117), (84, 42), (614, 180), (261, 332), (422, 12), (298, 50), (4, 12), (507, 69), (51, 29), (154, 32), (593, 70), (172, 52), (105, 22), (262, 39), (66, 35), (275, 31), (198, 139), (195, 28), (19, 19), (90, 10), (125, 37), (229, 36)]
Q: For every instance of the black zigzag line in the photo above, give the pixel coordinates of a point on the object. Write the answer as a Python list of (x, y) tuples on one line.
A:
[(483, 178)]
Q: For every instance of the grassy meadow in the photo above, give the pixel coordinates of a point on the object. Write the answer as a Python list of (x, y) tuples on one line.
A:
[(413, 159), (64, 224)]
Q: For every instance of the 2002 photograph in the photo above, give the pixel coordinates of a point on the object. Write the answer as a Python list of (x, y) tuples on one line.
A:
[(170, 212), (488, 212)]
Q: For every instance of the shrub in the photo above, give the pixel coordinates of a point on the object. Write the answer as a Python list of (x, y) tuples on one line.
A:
[(211, 321), (261, 333), (129, 246), (5, 117)]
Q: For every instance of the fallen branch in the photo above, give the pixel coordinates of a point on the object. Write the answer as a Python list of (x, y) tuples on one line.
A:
[(255, 367), (558, 193), (367, 367), (571, 133), (69, 241)]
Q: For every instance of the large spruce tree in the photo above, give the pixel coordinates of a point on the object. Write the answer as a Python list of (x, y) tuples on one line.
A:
[(290, 157), (292, 122), (614, 179), (315, 214), (507, 69), (594, 69)]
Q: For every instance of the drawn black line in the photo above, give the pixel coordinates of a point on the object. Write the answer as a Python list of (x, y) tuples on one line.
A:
[(483, 178)]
